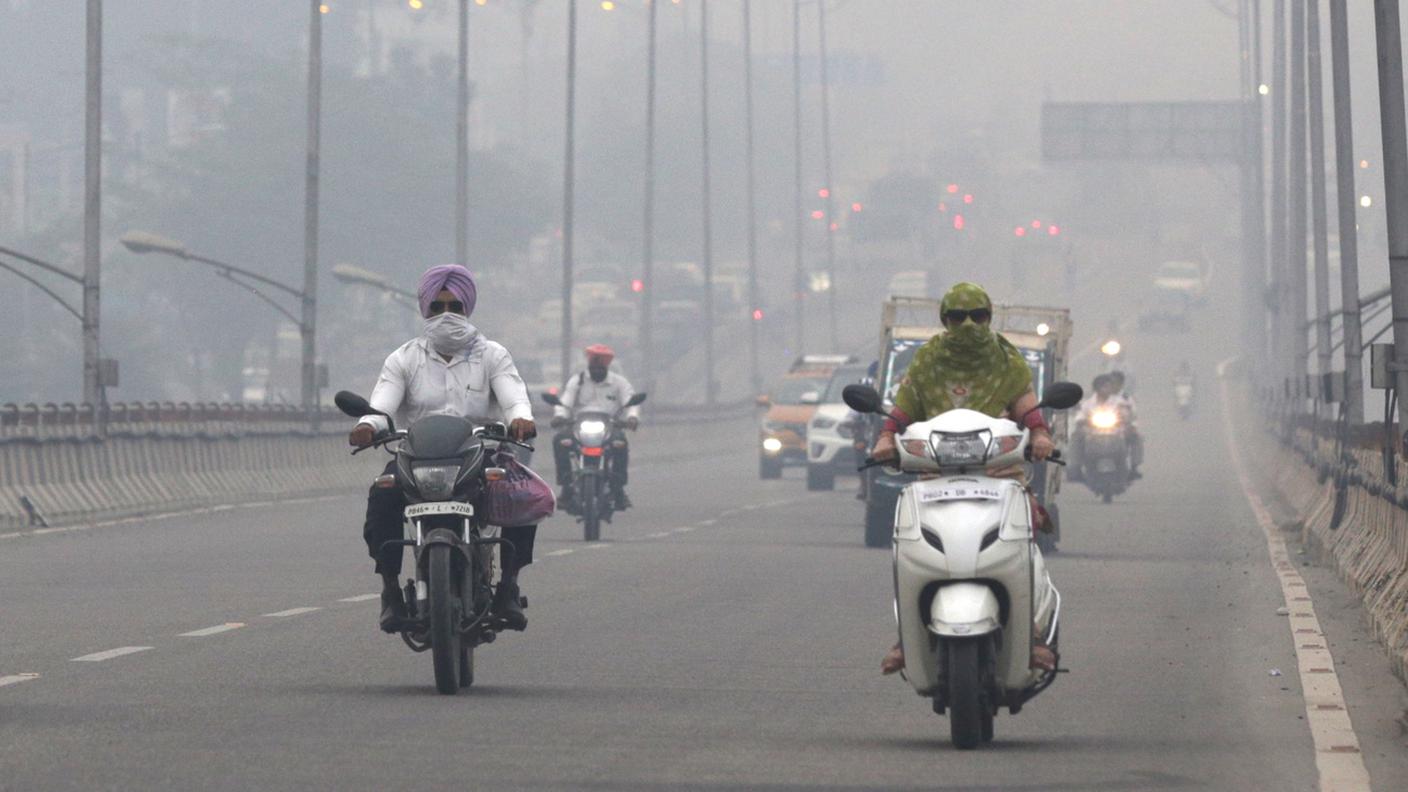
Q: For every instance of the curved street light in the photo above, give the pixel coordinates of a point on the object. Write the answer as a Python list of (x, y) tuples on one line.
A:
[(144, 242)]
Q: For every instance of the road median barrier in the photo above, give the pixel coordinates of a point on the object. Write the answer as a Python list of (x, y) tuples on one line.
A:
[(1348, 499), (69, 463)]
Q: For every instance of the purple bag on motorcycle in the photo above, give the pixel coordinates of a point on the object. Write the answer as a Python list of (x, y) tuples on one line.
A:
[(520, 497)]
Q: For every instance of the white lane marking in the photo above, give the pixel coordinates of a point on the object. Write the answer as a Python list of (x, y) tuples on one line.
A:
[(216, 630), (98, 657), (706, 523), (360, 598), (683, 529), (657, 535), (290, 612), (566, 551), (597, 546), (1338, 758), (15, 679)]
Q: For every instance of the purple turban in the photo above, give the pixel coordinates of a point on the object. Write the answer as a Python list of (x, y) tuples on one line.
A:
[(447, 276)]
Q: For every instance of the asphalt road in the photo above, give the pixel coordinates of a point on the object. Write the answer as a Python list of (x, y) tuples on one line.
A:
[(727, 634)]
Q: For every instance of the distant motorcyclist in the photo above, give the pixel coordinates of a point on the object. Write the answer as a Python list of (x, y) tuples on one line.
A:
[(451, 369), (1184, 389), (1124, 395), (972, 367), (1105, 392), (597, 389)]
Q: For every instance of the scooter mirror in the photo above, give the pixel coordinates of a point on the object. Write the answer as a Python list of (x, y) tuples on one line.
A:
[(636, 399), (551, 398), (1062, 395), (862, 399)]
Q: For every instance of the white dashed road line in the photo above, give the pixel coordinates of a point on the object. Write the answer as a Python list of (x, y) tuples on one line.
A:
[(1338, 759), (15, 679), (98, 657), (290, 612), (567, 551), (216, 630), (658, 535), (683, 529), (360, 598)]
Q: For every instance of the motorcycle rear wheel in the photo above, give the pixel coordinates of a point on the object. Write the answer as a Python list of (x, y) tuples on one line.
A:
[(444, 620)]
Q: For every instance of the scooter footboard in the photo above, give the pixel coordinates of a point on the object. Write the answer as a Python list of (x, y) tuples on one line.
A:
[(964, 609)]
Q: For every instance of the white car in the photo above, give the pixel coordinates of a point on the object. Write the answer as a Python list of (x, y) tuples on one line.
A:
[(1189, 278), (830, 444)]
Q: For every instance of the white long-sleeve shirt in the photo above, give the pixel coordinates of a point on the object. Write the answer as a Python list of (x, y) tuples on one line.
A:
[(481, 385), (584, 393)]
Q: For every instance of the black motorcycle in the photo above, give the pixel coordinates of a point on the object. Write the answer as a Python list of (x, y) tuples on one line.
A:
[(594, 435), (443, 464)]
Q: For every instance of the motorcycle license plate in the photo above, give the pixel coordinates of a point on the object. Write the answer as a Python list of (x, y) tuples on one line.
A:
[(442, 507), (960, 492)]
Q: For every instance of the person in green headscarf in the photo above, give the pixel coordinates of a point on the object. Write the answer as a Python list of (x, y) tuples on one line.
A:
[(972, 367), (967, 366)]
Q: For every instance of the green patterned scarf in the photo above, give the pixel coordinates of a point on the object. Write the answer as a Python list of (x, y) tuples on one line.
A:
[(967, 366)]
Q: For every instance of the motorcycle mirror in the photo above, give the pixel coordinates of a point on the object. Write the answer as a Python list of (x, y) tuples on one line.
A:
[(358, 407), (1062, 395), (635, 399), (862, 399), (551, 398), (352, 404)]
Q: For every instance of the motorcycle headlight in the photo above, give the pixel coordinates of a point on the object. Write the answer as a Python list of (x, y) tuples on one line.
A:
[(961, 449), (436, 482), (591, 431), (823, 423), (1104, 418)]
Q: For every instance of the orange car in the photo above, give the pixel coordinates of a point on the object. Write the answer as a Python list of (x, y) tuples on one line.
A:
[(782, 437)]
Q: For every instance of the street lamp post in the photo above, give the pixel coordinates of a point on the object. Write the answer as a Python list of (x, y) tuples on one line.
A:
[(462, 144), (1344, 198), (93, 202), (708, 200), (568, 186), (309, 294), (755, 375), (141, 242), (798, 278), (647, 302), (830, 226)]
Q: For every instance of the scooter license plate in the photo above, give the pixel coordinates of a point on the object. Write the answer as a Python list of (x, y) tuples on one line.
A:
[(441, 507), (961, 492)]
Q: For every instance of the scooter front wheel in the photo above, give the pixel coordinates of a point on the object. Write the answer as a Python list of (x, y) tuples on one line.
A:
[(969, 713)]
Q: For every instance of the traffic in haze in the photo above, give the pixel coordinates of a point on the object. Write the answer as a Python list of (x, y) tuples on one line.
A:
[(832, 394)]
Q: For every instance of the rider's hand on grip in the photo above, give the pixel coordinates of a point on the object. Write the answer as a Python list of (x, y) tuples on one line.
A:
[(362, 436), (522, 430), (885, 450)]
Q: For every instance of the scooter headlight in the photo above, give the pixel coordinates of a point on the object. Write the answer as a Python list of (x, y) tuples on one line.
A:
[(955, 450), (436, 482), (1003, 445), (1104, 418)]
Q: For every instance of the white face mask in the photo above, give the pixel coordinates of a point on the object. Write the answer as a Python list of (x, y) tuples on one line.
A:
[(450, 333)]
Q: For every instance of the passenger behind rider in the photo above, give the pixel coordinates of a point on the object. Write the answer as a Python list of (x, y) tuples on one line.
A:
[(451, 369), (598, 389), (969, 366)]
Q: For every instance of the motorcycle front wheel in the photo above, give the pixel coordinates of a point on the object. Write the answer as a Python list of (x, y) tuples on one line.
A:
[(591, 510), (445, 639)]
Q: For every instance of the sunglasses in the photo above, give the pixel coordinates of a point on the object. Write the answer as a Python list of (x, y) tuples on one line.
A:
[(956, 315), (438, 307)]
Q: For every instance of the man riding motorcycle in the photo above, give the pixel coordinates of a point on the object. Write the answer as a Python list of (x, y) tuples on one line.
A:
[(598, 389), (450, 369), (972, 367), (1107, 390)]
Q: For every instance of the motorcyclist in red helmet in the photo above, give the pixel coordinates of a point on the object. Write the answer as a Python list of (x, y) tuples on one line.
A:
[(599, 389)]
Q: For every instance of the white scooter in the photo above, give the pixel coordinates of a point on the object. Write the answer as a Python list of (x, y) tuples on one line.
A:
[(970, 584)]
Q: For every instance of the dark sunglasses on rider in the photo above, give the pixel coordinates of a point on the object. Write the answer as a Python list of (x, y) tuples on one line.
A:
[(438, 307), (957, 315)]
